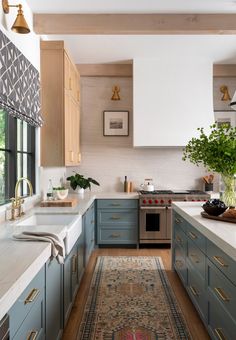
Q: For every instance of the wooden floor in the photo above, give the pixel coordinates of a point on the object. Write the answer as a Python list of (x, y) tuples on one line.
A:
[(196, 327)]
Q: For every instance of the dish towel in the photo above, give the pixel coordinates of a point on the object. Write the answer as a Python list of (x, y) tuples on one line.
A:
[(57, 244)]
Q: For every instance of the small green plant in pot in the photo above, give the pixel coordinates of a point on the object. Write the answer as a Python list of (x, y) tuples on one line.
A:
[(81, 182), (217, 152)]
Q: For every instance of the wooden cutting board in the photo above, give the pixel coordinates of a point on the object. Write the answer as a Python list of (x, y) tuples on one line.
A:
[(67, 202), (218, 218)]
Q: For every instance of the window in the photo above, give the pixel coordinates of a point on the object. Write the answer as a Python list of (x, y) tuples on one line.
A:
[(17, 155)]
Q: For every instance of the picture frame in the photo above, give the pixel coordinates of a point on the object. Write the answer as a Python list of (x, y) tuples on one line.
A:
[(115, 123), (225, 117)]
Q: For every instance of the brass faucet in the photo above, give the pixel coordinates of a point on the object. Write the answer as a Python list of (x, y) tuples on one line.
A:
[(17, 201)]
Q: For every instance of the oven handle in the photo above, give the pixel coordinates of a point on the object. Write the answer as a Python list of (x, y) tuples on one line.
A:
[(153, 208)]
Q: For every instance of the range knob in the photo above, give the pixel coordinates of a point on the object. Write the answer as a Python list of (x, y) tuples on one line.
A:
[(156, 201), (193, 200), (170, 201), (144, 201), (162, 201), (150, 201)]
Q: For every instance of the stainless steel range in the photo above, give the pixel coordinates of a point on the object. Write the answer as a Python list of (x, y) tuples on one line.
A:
[(155, 212)]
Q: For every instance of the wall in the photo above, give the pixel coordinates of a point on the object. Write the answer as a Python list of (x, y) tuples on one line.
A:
[(109, 159), (29, 45)]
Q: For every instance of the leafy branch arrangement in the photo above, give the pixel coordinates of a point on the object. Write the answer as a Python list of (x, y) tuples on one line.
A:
[(81, 181), (217, 152)]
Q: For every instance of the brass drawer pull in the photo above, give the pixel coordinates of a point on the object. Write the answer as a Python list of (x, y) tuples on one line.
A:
[(220, 334), (32, 295), (193, 290), (74, 264), (115, 235), (195, 258), (71, 156), (220, 261), (70, 82), (32, 335), (115, 204), (192, 235), (221, 294), (179, 239), (115, 218)]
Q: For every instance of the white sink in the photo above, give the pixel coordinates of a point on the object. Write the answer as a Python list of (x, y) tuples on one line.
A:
[(73, 224)]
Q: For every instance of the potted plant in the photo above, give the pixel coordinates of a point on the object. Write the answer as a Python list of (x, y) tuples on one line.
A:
[(81, 182), (217, 152)]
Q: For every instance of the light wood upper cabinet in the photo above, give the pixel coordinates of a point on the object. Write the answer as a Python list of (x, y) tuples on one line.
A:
[(60, 134)]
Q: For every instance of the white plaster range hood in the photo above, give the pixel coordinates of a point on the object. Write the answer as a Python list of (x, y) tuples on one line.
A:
[(173, 96)]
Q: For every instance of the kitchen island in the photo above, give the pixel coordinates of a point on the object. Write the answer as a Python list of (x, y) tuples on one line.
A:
[(204, 257)]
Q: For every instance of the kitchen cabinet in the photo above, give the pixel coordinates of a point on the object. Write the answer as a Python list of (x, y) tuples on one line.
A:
[(54, 299), (72, 275), (208, 275), (70, 281), (89, 232), (27, 315), (60, 93), (117, 221)]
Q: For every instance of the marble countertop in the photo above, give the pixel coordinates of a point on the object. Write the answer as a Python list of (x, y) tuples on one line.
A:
[(222, 234), (17, 268)]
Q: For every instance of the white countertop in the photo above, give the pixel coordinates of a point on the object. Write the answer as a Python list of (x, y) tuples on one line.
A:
[(222, 234), (17, 268)]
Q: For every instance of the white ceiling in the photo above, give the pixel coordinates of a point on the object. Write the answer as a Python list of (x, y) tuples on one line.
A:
[(132, 6), (116, 48)]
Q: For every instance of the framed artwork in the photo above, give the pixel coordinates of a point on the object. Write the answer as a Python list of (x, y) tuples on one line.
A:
[(115, 123), (225, 117)]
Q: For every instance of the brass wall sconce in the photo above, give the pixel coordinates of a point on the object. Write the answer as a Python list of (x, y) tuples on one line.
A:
[(226, 96), (116, 90), (20, 25)]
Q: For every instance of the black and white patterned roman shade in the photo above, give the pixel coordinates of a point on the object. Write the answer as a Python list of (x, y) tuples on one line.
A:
[(19, 84)]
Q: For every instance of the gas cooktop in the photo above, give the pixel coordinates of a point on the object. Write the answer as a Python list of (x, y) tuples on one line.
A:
[(172, 192)]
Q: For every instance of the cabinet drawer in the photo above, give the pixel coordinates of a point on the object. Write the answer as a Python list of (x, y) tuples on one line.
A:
[(33, 293), (121, 217), (222, 289), (117, 236), (179, 220), (196, 258), (180, 262), (118, 203), (220, 325), (33, 325), (197, 292), (196, 237), (180, 237), (222, 261)]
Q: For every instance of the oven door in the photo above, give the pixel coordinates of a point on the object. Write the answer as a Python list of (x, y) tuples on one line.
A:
[(153, 223)]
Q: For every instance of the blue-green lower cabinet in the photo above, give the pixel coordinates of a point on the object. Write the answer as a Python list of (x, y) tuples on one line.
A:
[(27, 315), (54, 300), (117, 221), (89, 232), (208, 275), (73, 272)]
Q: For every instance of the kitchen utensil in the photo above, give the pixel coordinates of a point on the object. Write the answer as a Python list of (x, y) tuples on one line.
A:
[(148, 185)]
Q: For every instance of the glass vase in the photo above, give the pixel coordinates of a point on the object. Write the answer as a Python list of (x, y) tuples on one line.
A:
[(227, 189)]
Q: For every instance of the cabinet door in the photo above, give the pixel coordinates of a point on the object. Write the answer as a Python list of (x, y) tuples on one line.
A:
[(70, 281), (89, 229), (75, 131), (80, 256), (53, 300)]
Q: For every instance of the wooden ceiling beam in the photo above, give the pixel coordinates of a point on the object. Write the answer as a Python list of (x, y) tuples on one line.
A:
[(105, 70), (135, 24)]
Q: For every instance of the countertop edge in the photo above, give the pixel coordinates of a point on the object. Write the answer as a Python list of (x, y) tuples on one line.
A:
[(213, 237)]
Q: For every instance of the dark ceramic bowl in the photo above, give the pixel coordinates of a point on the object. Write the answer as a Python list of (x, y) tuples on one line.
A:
[(214, 210)]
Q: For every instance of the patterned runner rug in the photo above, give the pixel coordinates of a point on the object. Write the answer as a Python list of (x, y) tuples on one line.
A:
[(130, 298)]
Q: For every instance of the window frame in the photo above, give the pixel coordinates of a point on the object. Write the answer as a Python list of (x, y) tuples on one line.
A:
[(11, 155)]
